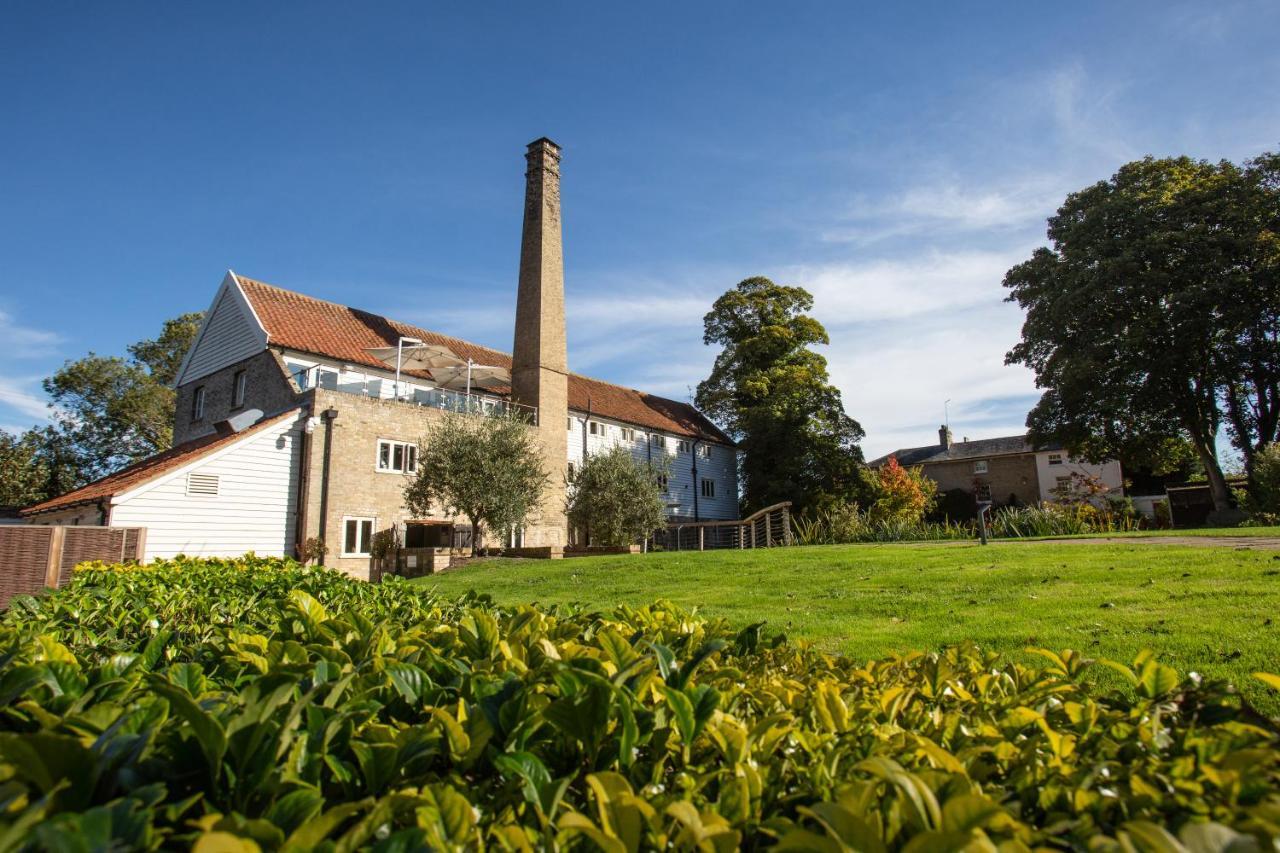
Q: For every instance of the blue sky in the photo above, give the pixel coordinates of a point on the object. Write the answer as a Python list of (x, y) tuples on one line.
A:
[(894, 162)]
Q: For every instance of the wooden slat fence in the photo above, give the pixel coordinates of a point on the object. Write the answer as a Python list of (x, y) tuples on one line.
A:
[(34, 557), (766, 528)]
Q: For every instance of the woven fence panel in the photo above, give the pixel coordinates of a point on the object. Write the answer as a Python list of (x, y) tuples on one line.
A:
[(109, 544), (24, 560)]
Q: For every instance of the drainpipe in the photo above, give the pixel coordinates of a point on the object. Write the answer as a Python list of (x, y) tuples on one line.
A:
[(304, 483), (697, 487), (329, 415)]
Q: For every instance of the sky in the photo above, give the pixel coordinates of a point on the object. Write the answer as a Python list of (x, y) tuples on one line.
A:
[(893, 161)]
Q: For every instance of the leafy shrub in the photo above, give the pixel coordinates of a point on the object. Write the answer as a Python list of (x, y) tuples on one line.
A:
[(1262, 498), (616, 499), (229, 704), (899, 494)]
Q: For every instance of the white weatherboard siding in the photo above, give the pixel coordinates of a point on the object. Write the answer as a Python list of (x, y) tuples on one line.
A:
[(720, 467), (255, 508), (230, 333)]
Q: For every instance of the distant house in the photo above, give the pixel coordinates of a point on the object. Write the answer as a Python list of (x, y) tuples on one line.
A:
[(1005, 470)]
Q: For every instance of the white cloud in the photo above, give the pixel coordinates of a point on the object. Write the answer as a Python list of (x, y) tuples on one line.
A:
[(19, 341), (949, 208), (20, 395)]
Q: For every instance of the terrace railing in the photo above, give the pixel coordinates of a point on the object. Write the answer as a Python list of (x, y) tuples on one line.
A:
[(766, 528)]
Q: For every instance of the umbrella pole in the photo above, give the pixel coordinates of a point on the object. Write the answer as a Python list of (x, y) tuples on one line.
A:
[(399, 356)]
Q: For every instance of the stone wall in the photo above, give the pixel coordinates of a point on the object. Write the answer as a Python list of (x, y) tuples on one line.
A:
[(1007, 475), (267, 387)]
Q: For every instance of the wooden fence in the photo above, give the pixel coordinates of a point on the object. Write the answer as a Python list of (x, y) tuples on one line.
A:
[(763, 529), (34, 557)]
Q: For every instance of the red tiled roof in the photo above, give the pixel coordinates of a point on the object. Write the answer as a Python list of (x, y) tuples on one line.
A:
[(148, 469), (310, 325)]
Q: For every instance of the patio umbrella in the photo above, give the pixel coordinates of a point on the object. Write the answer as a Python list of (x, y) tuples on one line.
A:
[(413, 354), (471, 375)]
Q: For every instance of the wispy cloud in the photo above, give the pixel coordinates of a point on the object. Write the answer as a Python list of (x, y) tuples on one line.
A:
[(22, 341), (22, 395)]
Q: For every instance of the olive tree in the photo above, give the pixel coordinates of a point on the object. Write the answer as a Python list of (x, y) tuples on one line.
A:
[(616, 498), (484, 468)]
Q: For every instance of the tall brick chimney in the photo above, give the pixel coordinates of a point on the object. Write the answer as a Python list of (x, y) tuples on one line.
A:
[(944, 437), (539, 363)]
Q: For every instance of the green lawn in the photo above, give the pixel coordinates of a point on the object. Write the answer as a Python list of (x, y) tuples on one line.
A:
[(1210, 610)]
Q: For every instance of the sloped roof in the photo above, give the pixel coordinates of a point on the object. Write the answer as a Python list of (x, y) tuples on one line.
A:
[(148, 469), (982, 448), (311, 325)]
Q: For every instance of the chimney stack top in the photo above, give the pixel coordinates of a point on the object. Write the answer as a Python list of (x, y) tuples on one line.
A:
[(944, 437)]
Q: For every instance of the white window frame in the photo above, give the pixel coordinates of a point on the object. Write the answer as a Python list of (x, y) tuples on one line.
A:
[(410, 457), (981, 467), (708, 487), (596, 428), (239, 383), (659, 441), (704, 451), (982, 489), (664, 483), (683, 446), (368, 544), (628, 434), (197, 403), (1055, 459)]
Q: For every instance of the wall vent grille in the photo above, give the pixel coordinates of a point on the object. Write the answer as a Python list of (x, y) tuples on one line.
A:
[(203, 485)]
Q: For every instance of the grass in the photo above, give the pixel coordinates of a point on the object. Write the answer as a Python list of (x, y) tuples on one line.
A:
[(1209, 610)]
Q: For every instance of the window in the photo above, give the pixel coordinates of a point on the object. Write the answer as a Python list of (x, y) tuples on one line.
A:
[(628, 434), (202, 485), (1064, 484), (357, 535), (658, 441), (983, 492), (980, 467), (704, 450), (1055, 458), (662, 481), (238, 383), (398, 457), (682, 446), (197, 404), (708, 488), (596, 428)]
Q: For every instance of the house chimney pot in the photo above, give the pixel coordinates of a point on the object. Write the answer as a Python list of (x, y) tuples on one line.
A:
[(944, 436)]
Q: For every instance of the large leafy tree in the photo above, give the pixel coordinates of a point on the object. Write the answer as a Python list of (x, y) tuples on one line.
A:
[(615, 498), (1154, 317), (110, 411), (771, 392), (107, 412), (486, 469)]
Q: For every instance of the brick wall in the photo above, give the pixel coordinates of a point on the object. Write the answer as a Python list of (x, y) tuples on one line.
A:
[(1007, 475), (267, 387), (355, 487)]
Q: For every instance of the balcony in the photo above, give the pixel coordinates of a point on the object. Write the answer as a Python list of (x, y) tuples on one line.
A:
[(365, 384)]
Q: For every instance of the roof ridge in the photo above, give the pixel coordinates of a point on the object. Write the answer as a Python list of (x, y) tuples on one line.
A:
[(260, 283)]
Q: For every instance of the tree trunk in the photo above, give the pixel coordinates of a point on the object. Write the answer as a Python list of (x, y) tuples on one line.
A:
[(1218, 490)]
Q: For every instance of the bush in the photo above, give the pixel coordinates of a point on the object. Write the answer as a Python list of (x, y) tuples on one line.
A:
[(239, 703), (899, 494), (615, 499), (1262, 499)]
